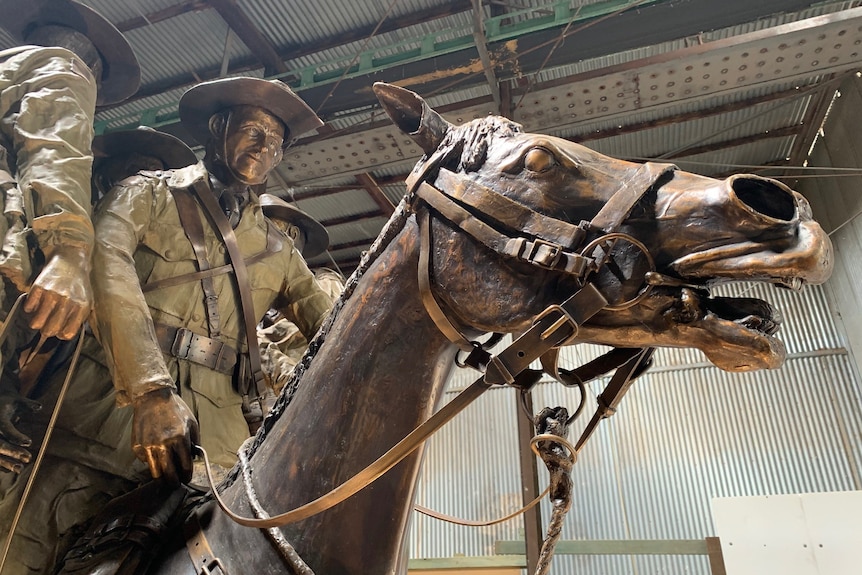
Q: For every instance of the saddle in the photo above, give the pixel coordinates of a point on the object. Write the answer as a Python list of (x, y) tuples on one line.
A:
[(125, 537)]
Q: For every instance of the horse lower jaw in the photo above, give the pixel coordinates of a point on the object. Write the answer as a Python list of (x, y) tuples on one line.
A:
[(736, 334), (732, 345)]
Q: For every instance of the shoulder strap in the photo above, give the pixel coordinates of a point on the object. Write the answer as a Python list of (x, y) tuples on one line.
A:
[(217, 217), (190, 219)]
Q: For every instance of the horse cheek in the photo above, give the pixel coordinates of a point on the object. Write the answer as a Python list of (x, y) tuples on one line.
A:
[(469, 280)]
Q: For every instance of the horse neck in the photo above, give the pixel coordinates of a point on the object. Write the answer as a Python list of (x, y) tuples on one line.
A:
[(378, 375)]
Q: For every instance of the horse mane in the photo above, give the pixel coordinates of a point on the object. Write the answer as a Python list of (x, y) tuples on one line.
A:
[(465, 147)]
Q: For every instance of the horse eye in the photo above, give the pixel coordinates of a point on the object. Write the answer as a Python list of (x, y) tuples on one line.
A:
[(539, 160)]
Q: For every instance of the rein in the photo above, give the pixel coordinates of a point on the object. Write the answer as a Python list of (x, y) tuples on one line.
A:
[(554, 328), (37, 463)]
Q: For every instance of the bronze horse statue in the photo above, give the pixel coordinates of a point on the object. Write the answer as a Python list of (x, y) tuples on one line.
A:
[(497, 227)]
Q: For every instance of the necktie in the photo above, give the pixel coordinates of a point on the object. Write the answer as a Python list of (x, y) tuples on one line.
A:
[(232, 206)]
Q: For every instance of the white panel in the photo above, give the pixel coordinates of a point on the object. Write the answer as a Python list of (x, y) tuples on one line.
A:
[(834, 521), (810, 534)]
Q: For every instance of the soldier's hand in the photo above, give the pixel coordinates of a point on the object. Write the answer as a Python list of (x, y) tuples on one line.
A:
[(13, 455), (61, 297), (163, 433)]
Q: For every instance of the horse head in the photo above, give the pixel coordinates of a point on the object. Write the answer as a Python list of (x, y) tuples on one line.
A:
[(654, 239)]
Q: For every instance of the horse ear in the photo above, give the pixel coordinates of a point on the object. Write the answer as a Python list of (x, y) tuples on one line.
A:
[(413, 116)]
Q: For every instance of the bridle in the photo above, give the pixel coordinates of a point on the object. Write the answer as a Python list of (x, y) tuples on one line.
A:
[(552, 244), (516, 232)]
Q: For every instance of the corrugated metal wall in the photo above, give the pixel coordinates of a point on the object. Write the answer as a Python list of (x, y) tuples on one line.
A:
[(837, 202), (687, 432)]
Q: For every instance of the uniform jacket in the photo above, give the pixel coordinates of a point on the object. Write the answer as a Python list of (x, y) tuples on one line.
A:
[(139, 239)]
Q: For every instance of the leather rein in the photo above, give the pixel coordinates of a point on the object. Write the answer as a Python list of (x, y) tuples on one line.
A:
[(548, 243)]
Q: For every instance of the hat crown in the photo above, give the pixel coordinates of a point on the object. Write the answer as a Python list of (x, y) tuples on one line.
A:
[(200, 102)]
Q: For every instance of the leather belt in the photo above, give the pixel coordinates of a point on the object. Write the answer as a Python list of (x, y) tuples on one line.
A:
[(183, 343)]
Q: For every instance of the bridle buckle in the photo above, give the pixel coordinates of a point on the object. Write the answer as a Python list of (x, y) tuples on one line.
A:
[(542, 253)]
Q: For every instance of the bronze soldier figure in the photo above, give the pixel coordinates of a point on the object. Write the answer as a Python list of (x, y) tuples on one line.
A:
[(87, 462), (71, 60), (282, 343), (44, 143), (308, 235), (169, 313)]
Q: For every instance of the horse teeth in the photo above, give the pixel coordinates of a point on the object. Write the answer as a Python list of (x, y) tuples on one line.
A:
[(795, 284), (758, 323)]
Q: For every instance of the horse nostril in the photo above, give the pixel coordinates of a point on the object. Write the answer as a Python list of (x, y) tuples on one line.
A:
[(766, 197)]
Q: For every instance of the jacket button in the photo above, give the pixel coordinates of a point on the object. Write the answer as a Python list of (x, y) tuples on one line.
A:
[(196, 317), (169, 253)]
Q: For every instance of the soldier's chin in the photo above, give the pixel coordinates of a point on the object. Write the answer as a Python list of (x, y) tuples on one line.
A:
[(732, 346), (249, 174)]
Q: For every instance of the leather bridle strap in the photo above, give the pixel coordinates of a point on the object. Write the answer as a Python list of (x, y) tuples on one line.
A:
[(199, 549), (432, 307), (213, 211), (618, 207), (619, 384), (190, 218), (556, 326), (508, 212), (536, 251), (550, 243), (590, 370)]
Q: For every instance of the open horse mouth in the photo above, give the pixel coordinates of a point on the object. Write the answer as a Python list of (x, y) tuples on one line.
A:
[(696, 304), (736, 333), (751, 313)]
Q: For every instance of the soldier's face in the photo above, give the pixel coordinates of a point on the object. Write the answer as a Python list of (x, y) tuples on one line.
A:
[(253, 140)]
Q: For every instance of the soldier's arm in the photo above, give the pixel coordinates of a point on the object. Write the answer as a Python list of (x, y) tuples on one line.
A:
[(52, 135), (123, 322), (302, 300), (164, 430)]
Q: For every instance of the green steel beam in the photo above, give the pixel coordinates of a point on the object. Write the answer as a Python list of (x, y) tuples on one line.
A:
[(464, 563), (497, 29), (511, 553), (614, 547)]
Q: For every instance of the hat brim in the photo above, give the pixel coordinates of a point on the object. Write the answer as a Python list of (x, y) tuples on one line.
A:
[(121, 74), (316, 236), (200, 102), (172, 151)]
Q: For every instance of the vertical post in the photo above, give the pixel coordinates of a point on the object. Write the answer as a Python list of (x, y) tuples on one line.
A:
[(533, 532), (506, 99), (716, 559), (225, 59)]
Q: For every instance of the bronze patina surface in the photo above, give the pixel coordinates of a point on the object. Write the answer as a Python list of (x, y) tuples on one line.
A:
[(379, 368)]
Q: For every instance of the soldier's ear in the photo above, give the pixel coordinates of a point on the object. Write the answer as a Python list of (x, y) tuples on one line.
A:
[(217, 124)]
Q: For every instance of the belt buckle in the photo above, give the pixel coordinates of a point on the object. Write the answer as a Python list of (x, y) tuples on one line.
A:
[(182, 343)]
